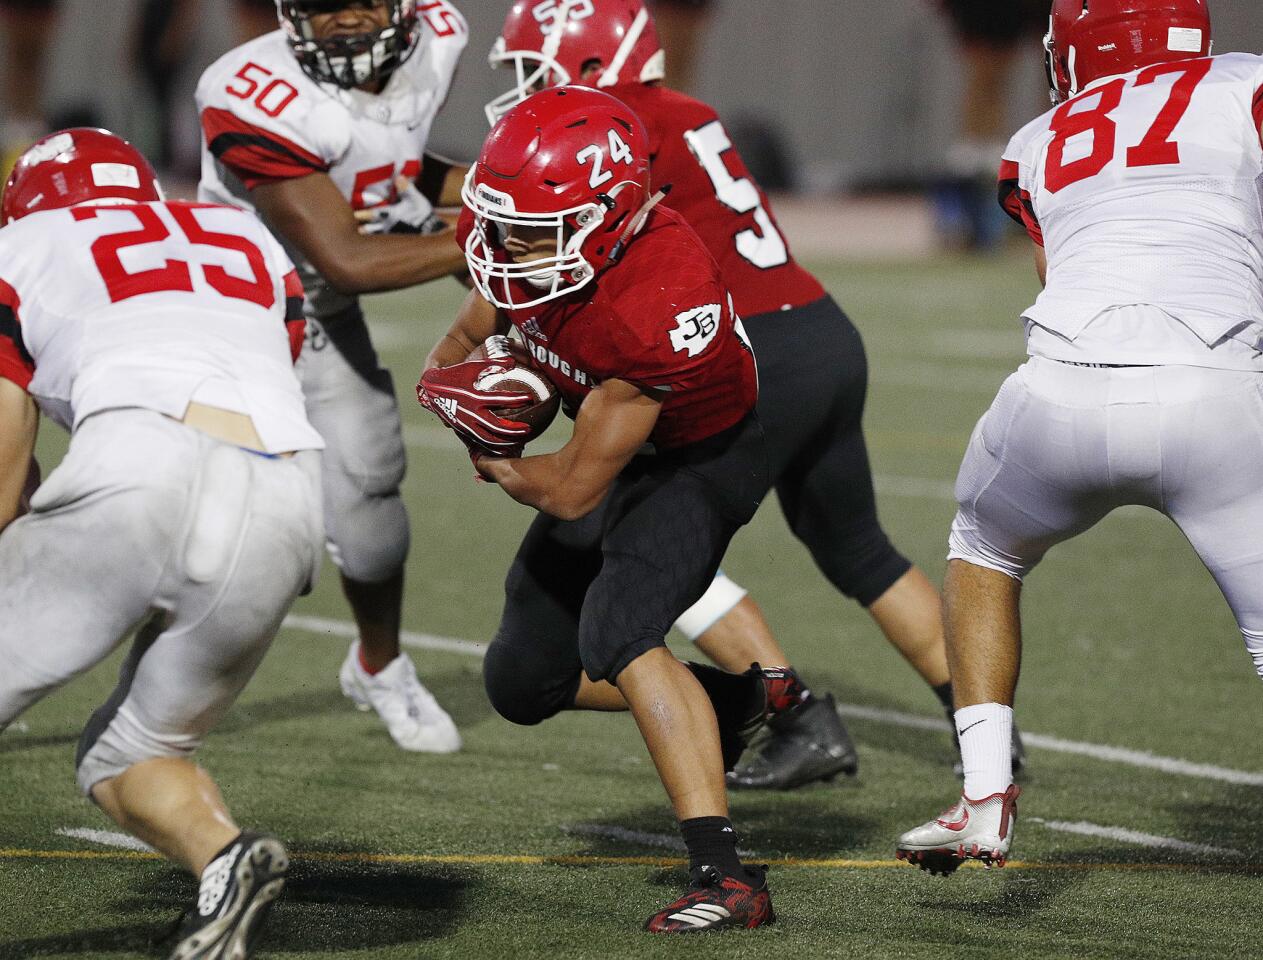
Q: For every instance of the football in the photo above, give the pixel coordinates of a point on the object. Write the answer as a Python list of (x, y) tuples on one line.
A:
[(523, 376)]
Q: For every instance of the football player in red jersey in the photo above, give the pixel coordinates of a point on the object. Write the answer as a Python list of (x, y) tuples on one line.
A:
[(813, 373), (623, 309)]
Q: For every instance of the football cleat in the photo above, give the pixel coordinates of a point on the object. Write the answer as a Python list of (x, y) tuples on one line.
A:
[(969, 830), (714, 901), (801, 744), (1018, 749), (743, 702), (235, 894), (415, 720)]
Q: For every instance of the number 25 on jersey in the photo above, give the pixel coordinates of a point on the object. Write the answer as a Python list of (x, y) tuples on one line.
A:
[(1074, 119)]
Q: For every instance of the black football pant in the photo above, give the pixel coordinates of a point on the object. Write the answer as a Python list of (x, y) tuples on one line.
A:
[(813, 376), (592, 595)]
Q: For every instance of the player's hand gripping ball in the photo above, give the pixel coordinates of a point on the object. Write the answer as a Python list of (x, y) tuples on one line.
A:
[(495, 401), (511, 369)]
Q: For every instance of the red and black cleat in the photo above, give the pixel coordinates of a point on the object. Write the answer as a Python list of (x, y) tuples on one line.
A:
[(714, 901), (783, 689)]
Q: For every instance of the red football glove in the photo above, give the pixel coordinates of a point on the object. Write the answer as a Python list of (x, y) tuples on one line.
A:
[(451, 395)]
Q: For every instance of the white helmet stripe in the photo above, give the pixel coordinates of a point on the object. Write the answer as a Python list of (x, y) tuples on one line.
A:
[(610, 76)]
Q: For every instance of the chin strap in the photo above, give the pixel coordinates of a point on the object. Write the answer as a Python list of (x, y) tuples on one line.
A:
[(636, 222)]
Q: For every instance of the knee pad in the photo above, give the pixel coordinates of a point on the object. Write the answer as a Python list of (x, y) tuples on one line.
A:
[(115, 739), (720, 597), (524, 688), (368, 537)]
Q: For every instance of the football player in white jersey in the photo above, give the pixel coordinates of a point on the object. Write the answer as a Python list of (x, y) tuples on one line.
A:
[(187, 509), (320, 126), (1141, 191)]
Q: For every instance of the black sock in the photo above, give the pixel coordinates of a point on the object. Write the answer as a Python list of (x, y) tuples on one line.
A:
[(711, 841), (735, 696), (944, 693)]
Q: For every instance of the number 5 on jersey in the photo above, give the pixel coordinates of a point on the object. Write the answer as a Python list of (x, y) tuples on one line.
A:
[(764, 247)]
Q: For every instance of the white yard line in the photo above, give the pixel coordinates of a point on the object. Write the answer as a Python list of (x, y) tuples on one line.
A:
[(1124, 835), (106, 838), (1095, 751), (409, 638)]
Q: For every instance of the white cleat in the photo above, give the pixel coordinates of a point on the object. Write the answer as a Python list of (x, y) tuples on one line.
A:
[(970, 830), (415, 720)]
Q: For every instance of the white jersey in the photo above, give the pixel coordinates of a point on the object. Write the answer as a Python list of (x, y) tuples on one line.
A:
[(153, 305), (265, 120), (1145, 193)]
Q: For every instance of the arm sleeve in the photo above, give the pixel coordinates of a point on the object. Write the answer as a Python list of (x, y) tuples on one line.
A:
[(295, 322), (256, 155), (16, 363), (1016, 201)]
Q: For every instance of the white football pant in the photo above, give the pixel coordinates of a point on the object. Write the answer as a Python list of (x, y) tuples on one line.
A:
[(1063, 445), (151, 524), (351, 403)]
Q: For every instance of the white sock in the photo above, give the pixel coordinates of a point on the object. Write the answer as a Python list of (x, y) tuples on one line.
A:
[(986, 736)]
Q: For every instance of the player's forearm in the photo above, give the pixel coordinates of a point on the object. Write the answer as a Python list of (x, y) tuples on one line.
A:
[(18, 424), (441, 180), (375, 264), (550, 483)]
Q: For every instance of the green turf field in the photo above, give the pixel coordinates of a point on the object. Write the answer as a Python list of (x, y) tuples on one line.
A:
[(541, 842)]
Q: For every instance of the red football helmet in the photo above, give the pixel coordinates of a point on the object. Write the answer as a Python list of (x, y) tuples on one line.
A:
[(1089, 39), (549, 42), (81, 165), (573, 160)]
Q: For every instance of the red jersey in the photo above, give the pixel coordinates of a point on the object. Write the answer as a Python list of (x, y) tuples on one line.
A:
[(713, 190), (661, 319)]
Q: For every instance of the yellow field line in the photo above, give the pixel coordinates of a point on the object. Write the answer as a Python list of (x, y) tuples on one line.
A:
[(564, 860)]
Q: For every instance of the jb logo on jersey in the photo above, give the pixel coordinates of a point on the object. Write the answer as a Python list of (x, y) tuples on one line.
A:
[(552, 13), (696, 329)]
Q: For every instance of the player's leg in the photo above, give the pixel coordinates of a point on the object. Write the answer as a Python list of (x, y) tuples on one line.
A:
[(1018, 496), (729, 627), (351, 402), (533, 671), (803, 382), (662, 542), (252, 544), (1220, 510), (79, 571)]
